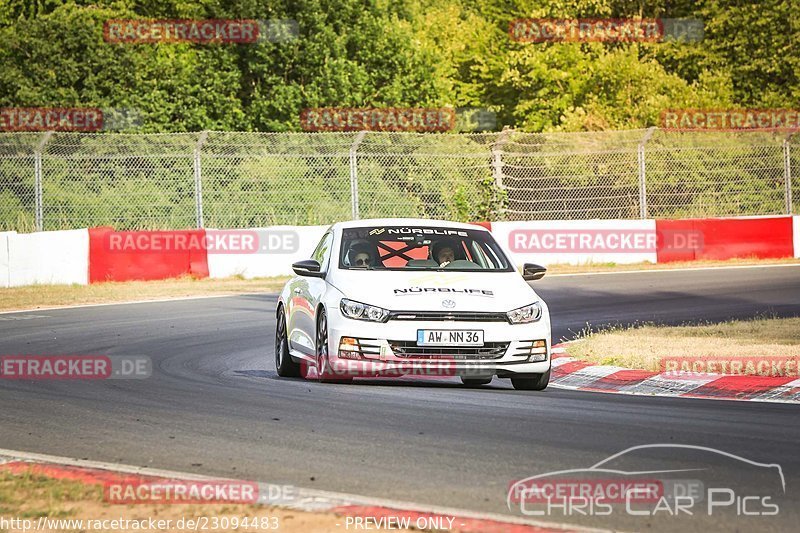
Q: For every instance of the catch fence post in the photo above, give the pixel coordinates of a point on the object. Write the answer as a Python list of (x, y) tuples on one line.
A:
[(38, 214), (643, 173), (198, 179), (354, 173), (497, 156), (787, 172)]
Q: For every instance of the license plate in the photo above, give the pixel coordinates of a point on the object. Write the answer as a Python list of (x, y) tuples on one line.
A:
[(449, 337)]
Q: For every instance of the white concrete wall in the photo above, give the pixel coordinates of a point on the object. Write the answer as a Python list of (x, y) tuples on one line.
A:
[(48, 257), (536, 241), (796, 234), (279, 247), (5, 272)]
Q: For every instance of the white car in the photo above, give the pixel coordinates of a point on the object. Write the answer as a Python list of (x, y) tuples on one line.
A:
[(391, 297)]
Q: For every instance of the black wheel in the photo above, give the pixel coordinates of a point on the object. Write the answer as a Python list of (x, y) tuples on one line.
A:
[(284, 364), (475, 382), (324, 372), (531, 382)]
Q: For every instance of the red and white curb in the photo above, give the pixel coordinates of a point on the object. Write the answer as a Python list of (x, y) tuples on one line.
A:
[(308, 500), (574, 374)]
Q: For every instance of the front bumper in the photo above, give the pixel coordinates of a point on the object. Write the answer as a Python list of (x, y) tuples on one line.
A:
[(390, 349)]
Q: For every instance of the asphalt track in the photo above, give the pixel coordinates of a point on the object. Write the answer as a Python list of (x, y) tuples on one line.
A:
[(215, 406)]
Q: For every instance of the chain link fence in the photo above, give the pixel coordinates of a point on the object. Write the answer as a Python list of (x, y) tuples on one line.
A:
[(54, 181), (572, 176), (20, 164)]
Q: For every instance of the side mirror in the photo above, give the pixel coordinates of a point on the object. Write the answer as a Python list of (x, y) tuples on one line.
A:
[(309, 267), (531, 272)]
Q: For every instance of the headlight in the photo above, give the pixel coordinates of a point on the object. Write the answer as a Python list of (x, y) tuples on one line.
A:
[(360, 311), (525, 315)]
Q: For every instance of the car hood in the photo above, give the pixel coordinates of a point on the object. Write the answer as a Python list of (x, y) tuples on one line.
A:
[(428, 291)]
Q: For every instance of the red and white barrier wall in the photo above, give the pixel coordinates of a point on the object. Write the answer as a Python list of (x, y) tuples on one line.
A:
[(145, 255), (578, 241), (655, 241), (200, 253), (726, 238), (102, 254)]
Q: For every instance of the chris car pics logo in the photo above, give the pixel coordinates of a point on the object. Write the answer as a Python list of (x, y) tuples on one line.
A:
[(637, 482)]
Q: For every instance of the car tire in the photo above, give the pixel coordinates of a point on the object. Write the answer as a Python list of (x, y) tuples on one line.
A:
[(476, 382), (324, 373), (284, 364), (531, 382)]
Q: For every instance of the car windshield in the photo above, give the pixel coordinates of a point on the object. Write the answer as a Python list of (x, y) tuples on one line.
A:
[(421, 248)]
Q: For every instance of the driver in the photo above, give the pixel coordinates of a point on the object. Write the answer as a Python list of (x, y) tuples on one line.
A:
[(360, 254), (443, 252)]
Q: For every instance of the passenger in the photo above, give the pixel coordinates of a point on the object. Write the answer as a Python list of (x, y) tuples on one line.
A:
[(362, 259)]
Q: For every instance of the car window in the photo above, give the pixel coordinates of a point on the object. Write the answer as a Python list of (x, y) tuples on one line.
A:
[(479, 255), (322, 253), (421, 248)]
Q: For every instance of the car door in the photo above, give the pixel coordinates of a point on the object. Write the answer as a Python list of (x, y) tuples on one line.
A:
[(305, 295)]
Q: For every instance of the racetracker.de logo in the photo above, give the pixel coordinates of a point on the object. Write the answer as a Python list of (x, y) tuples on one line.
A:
[(180, 492), (74, 367), (378, 119), (730, 119), (273, 241), (444, 366), (181, 31), (608, 490), (766, 366), (545, 30), (612, 241), (86, 119), (541, 30)]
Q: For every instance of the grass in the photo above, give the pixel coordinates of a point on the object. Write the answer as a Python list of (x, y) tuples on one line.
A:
[(30, 496), (37, 296), (644, 347)]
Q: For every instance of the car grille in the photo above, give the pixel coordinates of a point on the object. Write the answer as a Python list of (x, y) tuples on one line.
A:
[(448, 316), (410, 350), (526, 349), (369, 347)]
